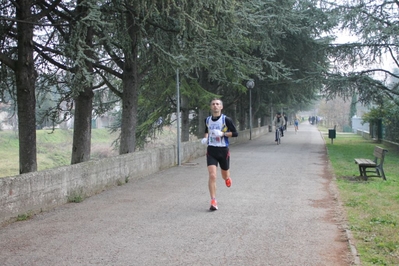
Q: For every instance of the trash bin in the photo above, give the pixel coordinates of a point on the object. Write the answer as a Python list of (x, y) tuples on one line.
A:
[(270, 128), (331, 133)]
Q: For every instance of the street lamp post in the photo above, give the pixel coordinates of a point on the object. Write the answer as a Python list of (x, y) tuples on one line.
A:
[(271, 112), (178, 117), (250, 85)]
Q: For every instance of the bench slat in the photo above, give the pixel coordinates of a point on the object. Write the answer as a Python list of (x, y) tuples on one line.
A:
[(379, 152), (365, 162)]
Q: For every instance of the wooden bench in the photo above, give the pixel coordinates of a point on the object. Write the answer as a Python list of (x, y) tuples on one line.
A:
[(376, 165)]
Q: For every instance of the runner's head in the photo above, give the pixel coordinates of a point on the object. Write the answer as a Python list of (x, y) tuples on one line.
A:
[(216, 107)]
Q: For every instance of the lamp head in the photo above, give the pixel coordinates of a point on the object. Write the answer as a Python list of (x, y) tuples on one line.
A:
[(250, 84)]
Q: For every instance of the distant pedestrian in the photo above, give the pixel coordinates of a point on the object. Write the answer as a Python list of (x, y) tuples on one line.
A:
[(218, 129), (286, 121), (296, 123)]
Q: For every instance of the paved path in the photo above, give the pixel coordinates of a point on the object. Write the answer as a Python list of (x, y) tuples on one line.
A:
[(280, 210)]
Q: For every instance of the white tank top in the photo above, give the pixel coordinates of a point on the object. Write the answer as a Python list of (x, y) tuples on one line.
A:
[(219, 124)]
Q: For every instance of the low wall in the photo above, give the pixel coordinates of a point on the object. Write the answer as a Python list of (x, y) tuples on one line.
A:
[(31, 193), (363, 133)]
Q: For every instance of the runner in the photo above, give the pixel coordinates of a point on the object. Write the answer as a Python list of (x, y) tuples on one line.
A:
[(218, 128)]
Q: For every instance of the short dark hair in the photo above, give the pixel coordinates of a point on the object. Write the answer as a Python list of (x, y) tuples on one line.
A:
[(278, 113), (217, 99)]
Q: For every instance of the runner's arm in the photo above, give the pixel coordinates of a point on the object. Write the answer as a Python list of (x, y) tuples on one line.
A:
[(232, 131), (206, 129)]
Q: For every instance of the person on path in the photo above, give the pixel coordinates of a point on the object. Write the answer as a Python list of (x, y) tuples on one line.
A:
[(296, 123), (286, 121), (218, 129), (279, 123)]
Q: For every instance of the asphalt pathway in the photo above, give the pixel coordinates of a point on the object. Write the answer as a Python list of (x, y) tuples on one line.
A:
[(281, 209)]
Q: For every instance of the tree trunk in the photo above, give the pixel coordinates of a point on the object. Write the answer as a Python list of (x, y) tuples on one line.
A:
[(201, 123), (81, 146), (82, 127), (129, 112), (233, 114), (130, 91), (242, 115), (185, 120), (25, 82)]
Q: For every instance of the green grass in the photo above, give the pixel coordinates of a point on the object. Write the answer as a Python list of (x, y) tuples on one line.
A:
[(24, 217), (9, 164), (54, 149), (372, 206)]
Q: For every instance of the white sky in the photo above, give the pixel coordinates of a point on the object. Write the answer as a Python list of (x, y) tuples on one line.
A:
[(344, 36)]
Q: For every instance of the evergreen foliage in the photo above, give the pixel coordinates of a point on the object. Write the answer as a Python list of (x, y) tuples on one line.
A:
[(123, 56), (361, 65)]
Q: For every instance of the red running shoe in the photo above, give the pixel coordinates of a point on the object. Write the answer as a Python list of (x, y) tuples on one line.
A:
[(228, 182), (214, 205)]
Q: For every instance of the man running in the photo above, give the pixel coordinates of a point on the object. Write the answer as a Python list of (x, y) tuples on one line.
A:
[(218, 128)]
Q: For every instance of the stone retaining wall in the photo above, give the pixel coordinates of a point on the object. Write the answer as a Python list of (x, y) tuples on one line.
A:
[(31, 193)]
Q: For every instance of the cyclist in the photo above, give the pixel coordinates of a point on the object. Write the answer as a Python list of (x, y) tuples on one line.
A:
[(279, 123)]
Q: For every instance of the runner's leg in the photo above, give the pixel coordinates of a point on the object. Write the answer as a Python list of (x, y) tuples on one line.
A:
[(212, 180)]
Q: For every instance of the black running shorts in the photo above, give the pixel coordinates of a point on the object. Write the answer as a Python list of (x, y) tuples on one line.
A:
[(221, 155)]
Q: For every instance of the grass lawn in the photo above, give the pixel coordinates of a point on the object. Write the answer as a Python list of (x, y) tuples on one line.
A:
[(54, 149), (372, 206), (9, 158)]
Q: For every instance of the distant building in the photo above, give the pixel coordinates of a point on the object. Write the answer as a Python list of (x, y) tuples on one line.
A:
[(357, 121), (357, 124)]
